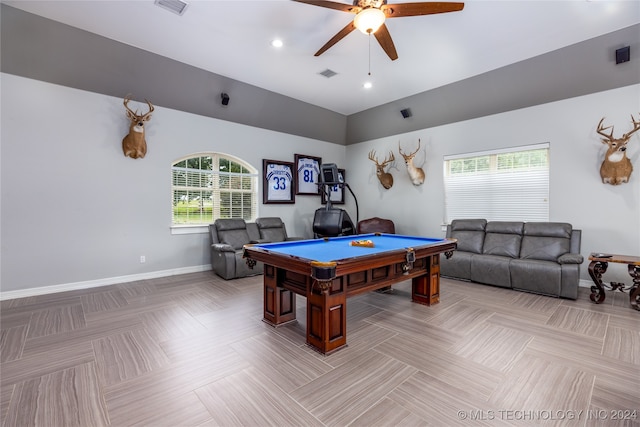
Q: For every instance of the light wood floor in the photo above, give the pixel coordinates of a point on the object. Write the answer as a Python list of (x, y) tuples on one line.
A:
[(192, 350)]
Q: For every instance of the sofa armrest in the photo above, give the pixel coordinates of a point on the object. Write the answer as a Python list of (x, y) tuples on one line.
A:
[(570, 259), (222, 247)]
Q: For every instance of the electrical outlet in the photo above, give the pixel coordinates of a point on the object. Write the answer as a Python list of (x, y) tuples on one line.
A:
[(143, 259)]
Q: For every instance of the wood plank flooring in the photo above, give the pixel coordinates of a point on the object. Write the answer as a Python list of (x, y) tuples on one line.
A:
[(191, 350)]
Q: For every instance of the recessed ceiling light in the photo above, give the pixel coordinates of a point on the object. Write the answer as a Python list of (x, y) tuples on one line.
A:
[(276, 43), (367, 85)]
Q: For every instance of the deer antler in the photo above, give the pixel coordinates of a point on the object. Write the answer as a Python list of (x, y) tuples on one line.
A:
[(126, 102), (408, 155), (636, 127), (601, 130), (144, 116), (372, 156), (391, 159)]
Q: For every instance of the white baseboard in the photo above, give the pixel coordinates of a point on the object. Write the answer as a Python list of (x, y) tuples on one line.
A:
[(22, 293)]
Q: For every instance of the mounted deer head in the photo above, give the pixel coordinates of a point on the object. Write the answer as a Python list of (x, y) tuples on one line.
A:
[(416, 174), (133, 144), (616, 167), (385, 178)]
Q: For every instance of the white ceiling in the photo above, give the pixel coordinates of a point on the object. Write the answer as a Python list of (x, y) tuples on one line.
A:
[(233, 39)]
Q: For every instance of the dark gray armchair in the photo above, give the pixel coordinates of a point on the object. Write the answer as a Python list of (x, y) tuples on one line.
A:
[(228, 236), (272, 229)]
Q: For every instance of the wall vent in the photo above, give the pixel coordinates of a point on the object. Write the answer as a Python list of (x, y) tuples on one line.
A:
[(176, 6), (328, 73)]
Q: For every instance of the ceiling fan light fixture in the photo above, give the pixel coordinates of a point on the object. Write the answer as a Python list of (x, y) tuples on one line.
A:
[(369, 20)]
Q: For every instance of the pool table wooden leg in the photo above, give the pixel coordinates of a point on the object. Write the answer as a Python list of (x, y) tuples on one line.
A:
[(425, 289), (279, 303), (327, 318)]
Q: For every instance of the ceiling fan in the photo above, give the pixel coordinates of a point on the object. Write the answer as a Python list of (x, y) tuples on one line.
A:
[(371, 14)]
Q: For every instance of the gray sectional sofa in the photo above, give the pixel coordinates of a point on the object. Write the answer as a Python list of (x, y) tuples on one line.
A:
[(540, 257)]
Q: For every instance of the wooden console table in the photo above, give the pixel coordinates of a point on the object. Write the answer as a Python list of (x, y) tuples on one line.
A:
[(597, 267)]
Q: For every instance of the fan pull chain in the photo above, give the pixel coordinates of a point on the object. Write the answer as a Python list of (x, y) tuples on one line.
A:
[(369, 52)]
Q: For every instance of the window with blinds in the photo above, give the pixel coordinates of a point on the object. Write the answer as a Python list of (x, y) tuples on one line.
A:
[(211, 186), (500, 185)]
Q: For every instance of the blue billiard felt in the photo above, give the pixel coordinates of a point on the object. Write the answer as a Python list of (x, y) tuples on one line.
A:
[(338, 248)]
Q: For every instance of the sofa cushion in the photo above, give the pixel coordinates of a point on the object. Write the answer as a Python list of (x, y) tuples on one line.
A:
[(468, 224), (491, 270), (232, 232), (234, 238), (503, 238), (545, 240), (537, 276), (548, 229), (230, 224), (470, 234), (458, 266), (271, 229), (272, 234)]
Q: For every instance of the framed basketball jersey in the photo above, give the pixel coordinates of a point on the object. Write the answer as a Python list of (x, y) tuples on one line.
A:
[(279, 179), (308, 173)]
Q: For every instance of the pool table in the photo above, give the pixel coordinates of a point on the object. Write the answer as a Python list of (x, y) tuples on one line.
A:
[(328, 271)]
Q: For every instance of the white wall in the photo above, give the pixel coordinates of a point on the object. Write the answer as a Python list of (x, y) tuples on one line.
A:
[(76, 212), (609, 216)]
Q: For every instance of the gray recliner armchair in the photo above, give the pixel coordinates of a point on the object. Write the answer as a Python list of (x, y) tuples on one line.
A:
[(228, 236)]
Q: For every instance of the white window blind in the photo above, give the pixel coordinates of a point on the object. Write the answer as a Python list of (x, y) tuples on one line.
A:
[(501, 185), (211, 186)]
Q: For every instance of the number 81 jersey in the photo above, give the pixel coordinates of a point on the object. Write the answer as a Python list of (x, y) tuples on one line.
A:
[(308, 172)]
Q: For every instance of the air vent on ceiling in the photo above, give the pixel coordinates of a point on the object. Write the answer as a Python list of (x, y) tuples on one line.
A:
[(176, 6), (328, 73)]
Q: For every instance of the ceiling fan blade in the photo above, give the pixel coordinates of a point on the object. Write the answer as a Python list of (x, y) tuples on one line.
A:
[(384, 38), (335, 39), (398, 10), (332, 5)]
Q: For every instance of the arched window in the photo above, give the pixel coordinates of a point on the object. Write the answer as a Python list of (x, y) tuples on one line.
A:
[(209, 186)]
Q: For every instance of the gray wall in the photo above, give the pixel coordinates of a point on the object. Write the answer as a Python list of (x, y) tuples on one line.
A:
[(609, 216), (75, 212), (47, 50), (580, 69)]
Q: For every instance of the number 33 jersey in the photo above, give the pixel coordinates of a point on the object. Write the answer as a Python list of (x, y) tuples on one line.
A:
[(279, 178)]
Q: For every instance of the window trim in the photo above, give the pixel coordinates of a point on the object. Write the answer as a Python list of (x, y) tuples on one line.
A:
[(507, 150)]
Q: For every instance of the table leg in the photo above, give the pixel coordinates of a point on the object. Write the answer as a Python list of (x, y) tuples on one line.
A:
[(634, 291), (596, 270), (279, 303), (327, 316), (425, 289)]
